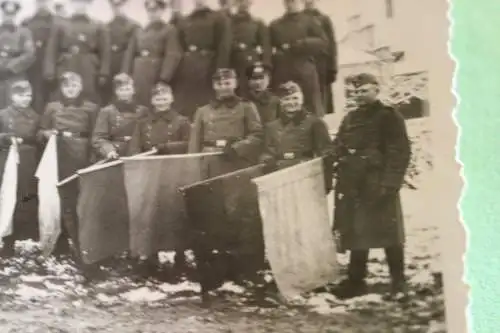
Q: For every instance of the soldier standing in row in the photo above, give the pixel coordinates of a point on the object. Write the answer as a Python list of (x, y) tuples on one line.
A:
[(266, 102), (20, 122), (206, 42), (297, 40), (250, 43), (81, 46), (116, 122), (372, 150), (17, 50), (327, 61), (121, 30), (41, 25), (153, 53)]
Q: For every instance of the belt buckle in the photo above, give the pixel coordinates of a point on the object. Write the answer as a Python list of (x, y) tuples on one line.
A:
[(242, 46), (127, 138), (144, 53), (67, 134), (289, 156), (114, 47), (285, 46), (220, 143), (193, 48), (75, 49), (351, 151), (82, 37)]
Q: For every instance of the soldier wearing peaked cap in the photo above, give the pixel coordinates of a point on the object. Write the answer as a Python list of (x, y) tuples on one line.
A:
[(19, 123), (17, 49), (297, 135), (206, 45), (121, 29), (268, 104), (153, 53), (83, 46), (251, 43), (372, 151), (116, 122), (297, 40), (41, 25), (227, 124)]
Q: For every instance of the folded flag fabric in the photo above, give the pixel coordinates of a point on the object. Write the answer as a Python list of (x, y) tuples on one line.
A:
[(8, 190)]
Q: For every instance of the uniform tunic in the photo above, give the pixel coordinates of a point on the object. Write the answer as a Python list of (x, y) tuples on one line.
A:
[(233, 121), (206, 42), (373, 150), (268, 105), (114, 127), (167, 131), (291, 141), (40, 25), (251, 44), (75, 122), (17, 54), (82, 46), (306, 40), (23, 124), (121, 30), (153, 55), (326, 62)]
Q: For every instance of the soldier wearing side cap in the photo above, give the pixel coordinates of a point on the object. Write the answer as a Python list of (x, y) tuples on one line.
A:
[(41, 25), (17, 49), (250, 43), (121, 30), (206, 43), (297, 135), (154, 52), (327, 61), (268, 104), (19, 123), (83, 46), (372, 152), (227, 124), (297, 40), (72, 119), (116, 122)]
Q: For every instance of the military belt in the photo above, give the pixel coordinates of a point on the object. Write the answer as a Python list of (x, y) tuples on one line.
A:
[(149, 53), (69, 134), (7, 54), (217, 143), (194, 48), (75, 49), (296, 155), (122, 138)]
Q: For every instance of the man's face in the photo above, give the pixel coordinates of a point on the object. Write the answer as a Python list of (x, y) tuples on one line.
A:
[(292, 104), (200, 3), (259, 83), (162, 101), (22, 100), (71, 89), (292, 5), (125, 92), (243, 5), (366, 94), (80, 6), (225, 87), (309, 3)]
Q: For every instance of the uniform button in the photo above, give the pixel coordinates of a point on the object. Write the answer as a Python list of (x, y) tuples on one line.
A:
[(242, 46), (114, 47), (259, 50), (145, 53), (39, 43), (193, 48)]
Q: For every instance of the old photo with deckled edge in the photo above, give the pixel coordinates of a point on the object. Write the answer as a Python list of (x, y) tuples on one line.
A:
[(445, 186)]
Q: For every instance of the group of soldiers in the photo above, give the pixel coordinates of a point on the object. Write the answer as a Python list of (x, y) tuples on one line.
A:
[(212, 81)]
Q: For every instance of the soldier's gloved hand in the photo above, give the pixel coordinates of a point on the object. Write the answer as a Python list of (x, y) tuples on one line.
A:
[(112, 155)]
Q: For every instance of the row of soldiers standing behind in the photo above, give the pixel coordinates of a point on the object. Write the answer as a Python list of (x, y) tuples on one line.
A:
[(299, 46)]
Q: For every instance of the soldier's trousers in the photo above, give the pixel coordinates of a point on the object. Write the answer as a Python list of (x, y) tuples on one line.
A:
[(358, 261), (25, 224)]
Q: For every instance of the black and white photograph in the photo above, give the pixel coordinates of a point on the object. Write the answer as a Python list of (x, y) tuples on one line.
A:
[(221, 166)]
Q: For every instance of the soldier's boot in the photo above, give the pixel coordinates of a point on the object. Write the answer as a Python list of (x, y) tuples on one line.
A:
[(395, 261), (355, 284), (8, 249)]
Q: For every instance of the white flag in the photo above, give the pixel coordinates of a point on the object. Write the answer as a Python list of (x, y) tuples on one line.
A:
[(49, 204), (8, 190)]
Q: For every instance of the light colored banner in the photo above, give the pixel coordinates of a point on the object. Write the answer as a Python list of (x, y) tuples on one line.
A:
[(297, 233), (8, 191)]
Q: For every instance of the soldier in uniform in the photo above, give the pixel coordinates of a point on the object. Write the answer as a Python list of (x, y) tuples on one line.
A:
[(326, 62), (20, 122), (116, 122), (72, 119), (296, 40), (267, 103), (297, 135), (17, 50), (40, 25), (250, 43), (82, 46), (121, 30), (227, 124), (60, 10), (167, 132), (206, 42), (153, 53), (372, 150)]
